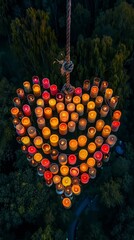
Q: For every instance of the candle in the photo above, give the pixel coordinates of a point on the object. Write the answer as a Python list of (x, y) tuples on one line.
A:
[(59, 97), (66, 181), (83, 167), (91, 132), (15, 112), (74, 171), (41, 122), (49, 183), (99, 125), (24, 149), (104, 110), (40, 102), (29, 158), (116, 115), (92, 173), (108, 93), (76, 189), (84, 178), (59, 188), (66, 202), (80, 109), (46, 96), (98, 101), (74, 117), (20, 114), (91, 162), (82, 124), (38, 157), (60, 107), (90, 106), (86, 85), (96, 81), (30, 99), (53, 89), (54, 168), (70, 107), (40, 170), (32, 132), (62, 158), (54, 123), (64, 116), (115, 126), (63, 144), (48, 175), (111, 140), (54, 140), (52, 103), (75, 180), (48, 112), (106, 131), (68, 98), (63, 128), (82, 140), (33, 163), (71, 126), (99, 141), (91, 147), (27, 86), (64, 170), (78, 91), (73, 144), (56, 179), (46, 83), (76, 100), (94, 91), (113, 102), (45, 163), (103, 86), (20, 129), (32, 150), (15, 121), (18, 139), (36, 90), (54, 154), (98, 156), (68, 191), (17, 102), (25, 141), (26, 122), (27, 110), (39, 112), (92, 116), (35, 80), (72, 159), (83, 154), (38, 141), (46, 148), (20, 93), (105, 148), (85, 98)]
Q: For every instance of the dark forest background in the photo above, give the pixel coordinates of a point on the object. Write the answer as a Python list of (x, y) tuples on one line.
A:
[(32, 35)]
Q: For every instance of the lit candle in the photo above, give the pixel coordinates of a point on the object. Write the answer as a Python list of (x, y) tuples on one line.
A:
[(70, 107), (92, 116), (36, 90), (27, 86), (104, 110), (82, 124), (103, 86), (94, 91), (66, 202), (41, 122), (25, 141), (62, 158), (76, 189), (30, 99), (46, 148), (54, 154), (40, 102), (108, 93), (56, 179), (38, 157), (96, 81), (98, 156), (26, 122), (54, 168), (115, 126), (68, 191), (32, 132), (64, 170), (48, 112), (91, 147), (63, 128), (64, 116), (76, 100), (106, 157), (18, 139), (92, 173), (17, 102), (74, 171), (99, 164), (85, 98), (74, 117), (38, 141), (27, 110), (72, 159), (111, 140), (78, 91), (60, 107), (98, 101), (35, 80), (106, 131), (33, 163), (45, 163), (99, 125), (46, 96), (24, 149), (84, 178), (83, 154), (80, 109), (90, 106), (105, 148), (29, 158), (63, 144), (71, 126), (40, 170), (20, 93), (53, 89), (68, 98), (116, 115), (48, 175), (54, 123), (82, 140), (75, 180), (59, 188), (113, 102), (15, 121), (86, 85), (52, 103), (15, 112), (83, 167), (91, 162), (73, 144), (49, 183), (46, 83), (20, 114), (91, 132), (54, 140), (32, 150), (99, 141), (20, 129), (39, 112), (59, 97)]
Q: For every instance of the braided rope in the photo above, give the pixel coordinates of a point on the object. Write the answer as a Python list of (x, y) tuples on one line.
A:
[(68, 26)]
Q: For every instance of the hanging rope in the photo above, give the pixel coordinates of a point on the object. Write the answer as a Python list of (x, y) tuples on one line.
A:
[(68, 26)]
